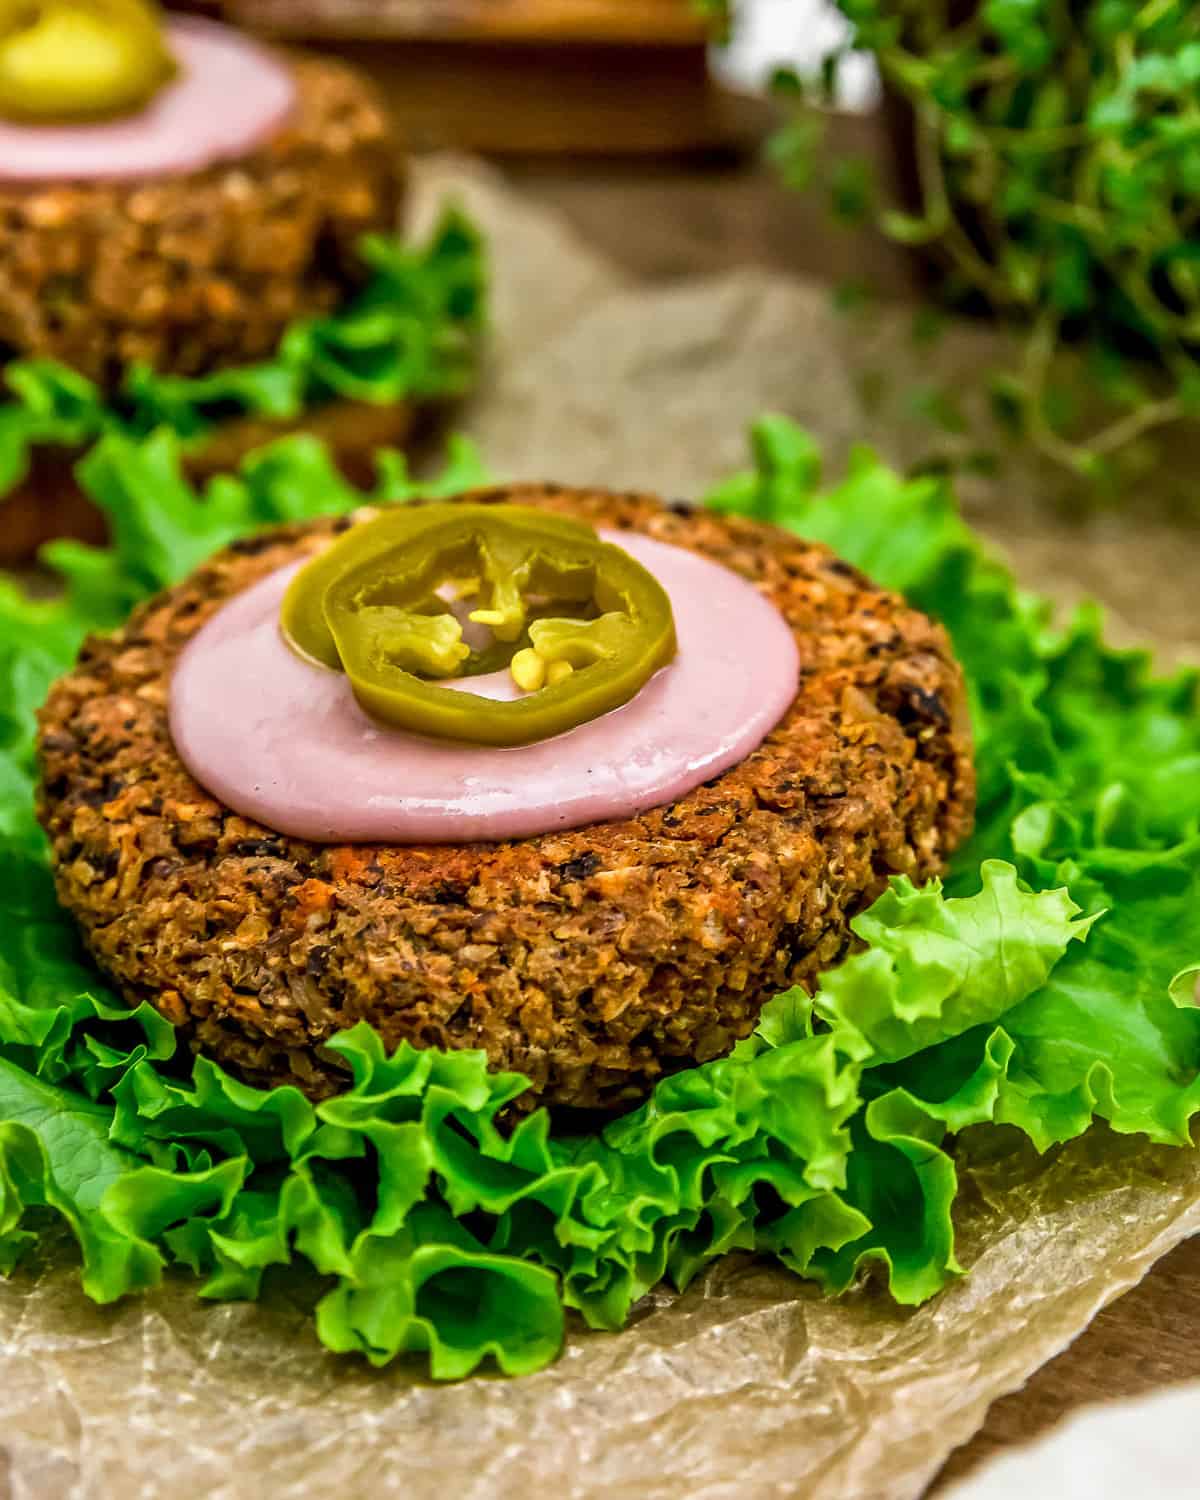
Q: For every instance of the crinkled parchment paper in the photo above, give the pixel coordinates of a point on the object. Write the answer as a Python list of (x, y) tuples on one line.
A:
[(750, 1385)]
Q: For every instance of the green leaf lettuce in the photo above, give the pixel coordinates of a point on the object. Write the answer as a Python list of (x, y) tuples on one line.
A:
[(411, 332), (1050, 982)]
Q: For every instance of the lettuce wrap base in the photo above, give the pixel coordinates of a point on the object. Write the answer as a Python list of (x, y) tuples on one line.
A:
[(1050, 983)]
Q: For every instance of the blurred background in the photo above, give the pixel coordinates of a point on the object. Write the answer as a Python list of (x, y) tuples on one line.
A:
[(966, 231), (627, 115), (988, 214)]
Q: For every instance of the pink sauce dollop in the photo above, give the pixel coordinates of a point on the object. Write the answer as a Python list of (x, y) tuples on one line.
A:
[(229, 95), (284, 742)]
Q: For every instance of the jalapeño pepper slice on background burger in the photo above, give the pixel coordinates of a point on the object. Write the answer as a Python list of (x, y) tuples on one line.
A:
[(67, 60)]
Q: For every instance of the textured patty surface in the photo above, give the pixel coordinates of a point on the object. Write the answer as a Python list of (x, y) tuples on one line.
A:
[(207, 268), (592, 960)]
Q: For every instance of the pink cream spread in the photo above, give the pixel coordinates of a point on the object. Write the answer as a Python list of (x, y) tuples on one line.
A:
[(229, 96), (284, 742)]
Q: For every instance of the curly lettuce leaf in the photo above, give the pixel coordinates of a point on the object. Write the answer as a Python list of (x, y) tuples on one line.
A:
[(931, 969), (412, 331), (55, 1153), (1087, 781), (1051, 981), (162, 527), (757, 1151)]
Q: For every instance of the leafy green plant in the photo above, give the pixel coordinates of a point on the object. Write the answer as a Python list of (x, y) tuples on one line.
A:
[(718, 13), (412, 331), (1055, 151), (1049, 983)]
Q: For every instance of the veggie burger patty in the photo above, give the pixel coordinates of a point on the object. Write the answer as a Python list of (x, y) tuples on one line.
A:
[(191, 272), (592, 961)]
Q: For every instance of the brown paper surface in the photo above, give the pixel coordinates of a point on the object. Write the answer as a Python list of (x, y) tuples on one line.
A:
[(750, 1384)]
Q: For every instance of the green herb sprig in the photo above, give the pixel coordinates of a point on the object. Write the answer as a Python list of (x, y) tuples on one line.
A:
[(1055, 147)]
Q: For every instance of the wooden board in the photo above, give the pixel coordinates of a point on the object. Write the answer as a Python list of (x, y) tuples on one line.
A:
[(49, 502), (531, 98), (637, 22), (547, 77)]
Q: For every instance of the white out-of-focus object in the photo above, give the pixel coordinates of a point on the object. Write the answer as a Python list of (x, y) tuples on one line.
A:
[(1116, 1451), (794, 33)]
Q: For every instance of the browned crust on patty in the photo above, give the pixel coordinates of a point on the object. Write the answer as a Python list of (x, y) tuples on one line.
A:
[(592, 960), (192, 272)]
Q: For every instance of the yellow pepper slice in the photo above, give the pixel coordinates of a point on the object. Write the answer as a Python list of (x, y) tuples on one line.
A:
[(66, 60)]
